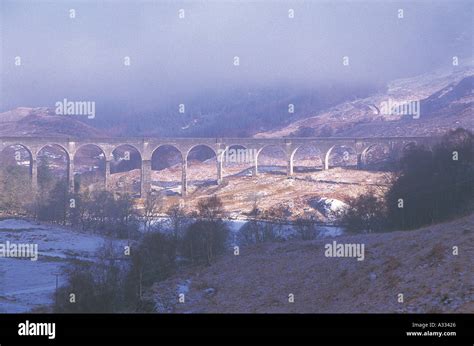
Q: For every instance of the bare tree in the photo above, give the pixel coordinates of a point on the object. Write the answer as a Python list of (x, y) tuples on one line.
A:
[(152, 206), (177, 221), (210, 208)]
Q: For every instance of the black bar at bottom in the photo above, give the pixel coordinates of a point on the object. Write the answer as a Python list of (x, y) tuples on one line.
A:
[(262, 329)]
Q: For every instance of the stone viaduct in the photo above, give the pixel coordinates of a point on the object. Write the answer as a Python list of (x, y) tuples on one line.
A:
[(146, 146)]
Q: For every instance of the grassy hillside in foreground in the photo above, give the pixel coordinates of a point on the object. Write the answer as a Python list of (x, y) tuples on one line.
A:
[(418, 264)]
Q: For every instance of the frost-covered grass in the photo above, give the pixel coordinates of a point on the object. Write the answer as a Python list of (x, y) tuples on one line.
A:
[(26, 284)]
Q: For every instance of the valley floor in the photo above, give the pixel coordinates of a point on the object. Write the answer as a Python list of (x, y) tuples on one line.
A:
[(239, 192)]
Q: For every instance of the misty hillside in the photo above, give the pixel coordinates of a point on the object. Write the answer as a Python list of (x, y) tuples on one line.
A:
[(230, 113), (42, 121), (244, 112), (445, 102)]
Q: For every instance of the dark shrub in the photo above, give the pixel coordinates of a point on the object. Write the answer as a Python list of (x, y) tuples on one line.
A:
[(204, 240), (97, 287), (365, 213), (305, 227)]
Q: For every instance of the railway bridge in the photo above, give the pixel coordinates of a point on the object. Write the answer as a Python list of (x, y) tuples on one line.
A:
[(220, 146)]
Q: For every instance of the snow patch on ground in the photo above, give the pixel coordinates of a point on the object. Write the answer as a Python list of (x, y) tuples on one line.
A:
[(17, 224), (26, 284), (183, 288), (329, 207)]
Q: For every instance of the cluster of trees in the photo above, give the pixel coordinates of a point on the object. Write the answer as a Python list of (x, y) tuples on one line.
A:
[(367, 212), (18, 198), (428, 187), (103, 212), (434, 186), (98, 211), (94, 287), (206, 238), (51, 202), (268, 225), (117, 283), (15, 190), (92, 211)]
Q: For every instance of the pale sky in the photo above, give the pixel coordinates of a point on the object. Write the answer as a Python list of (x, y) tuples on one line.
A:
[(82, 58)]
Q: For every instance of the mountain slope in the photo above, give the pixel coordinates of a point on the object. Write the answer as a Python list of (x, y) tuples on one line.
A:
[(42, 121), (445, 98)]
